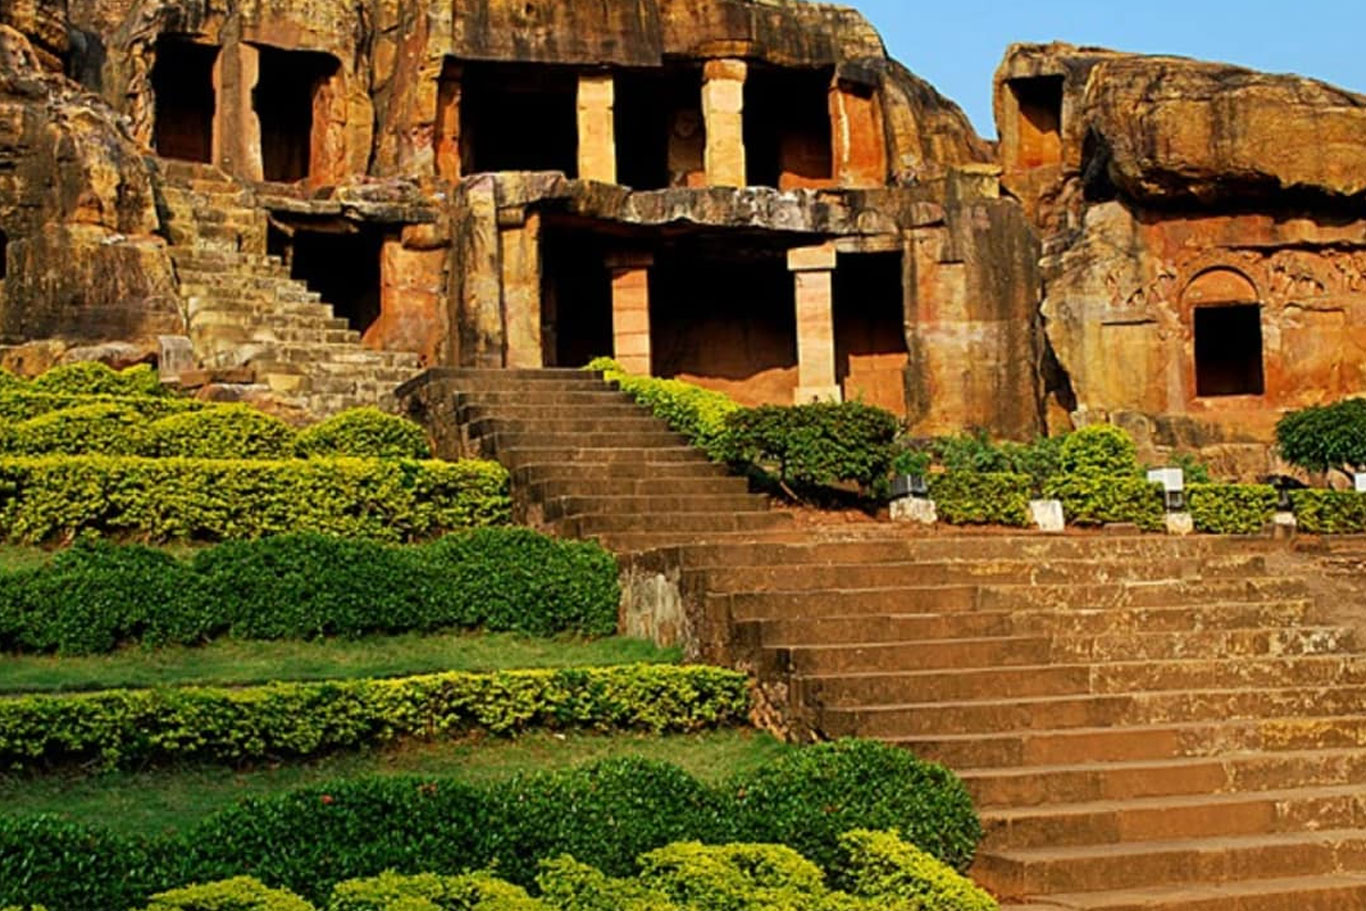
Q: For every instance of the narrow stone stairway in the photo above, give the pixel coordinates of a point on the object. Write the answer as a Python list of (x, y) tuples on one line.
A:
[(243, 309), (1145, 722)]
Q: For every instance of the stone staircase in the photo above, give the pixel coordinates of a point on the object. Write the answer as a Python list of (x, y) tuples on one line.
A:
[(1145, 722), (242, 308)]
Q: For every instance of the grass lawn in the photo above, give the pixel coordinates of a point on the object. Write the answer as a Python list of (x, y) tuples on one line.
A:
[(173, 799), (13, 556), (231, 661)]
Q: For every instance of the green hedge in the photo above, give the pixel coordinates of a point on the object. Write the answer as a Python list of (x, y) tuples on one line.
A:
[(311, 839), (1329, 512), (880, 872), (95, 596), (699, 414), (222, 432), (816, 445), (94, 378), (1089, 499), (970, 498), (54, 497), (365, 432), (1231, 509), (24, 403), (128, 727), (101, 428)]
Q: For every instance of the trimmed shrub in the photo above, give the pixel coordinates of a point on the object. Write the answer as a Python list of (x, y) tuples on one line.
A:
[(808, 798), (10, 381), (102, 428), (733, 877), (392, 891), (818, 444), (94, 378), (1329, 512), (1100, 449), (879, 865), (311, 839), (222, 432), (96, 595), (968, 498), (22, 403), (699, 414), (1097, 499), (1230, 509), (242, 893), (1325, 437), (365, 433), (123, 727), (55, 497)]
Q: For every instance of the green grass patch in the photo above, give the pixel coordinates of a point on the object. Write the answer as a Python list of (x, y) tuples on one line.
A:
[(173, 799), (228, 662)]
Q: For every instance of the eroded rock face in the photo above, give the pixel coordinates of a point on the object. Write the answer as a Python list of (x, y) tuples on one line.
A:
[(77, 206), (1203, 241)]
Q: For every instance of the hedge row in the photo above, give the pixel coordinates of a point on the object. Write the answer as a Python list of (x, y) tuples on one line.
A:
[(971, 498), (127, 727), (96, 595), (876, 871), (56, 497), (699, 414), (311, 839), (1230, 509), (1329, 512), (115, 427)]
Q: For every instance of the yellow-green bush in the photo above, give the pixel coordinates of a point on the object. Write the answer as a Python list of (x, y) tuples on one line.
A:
[(365, 433), (394, 892), (699, 414), (242, 893), (1329, 512), (94, 378), (232, 431), (1097, 499), (101, 428), (22, 402), (56, 497), (123, 727), (1230, 509), (879, 865), (971, 498)]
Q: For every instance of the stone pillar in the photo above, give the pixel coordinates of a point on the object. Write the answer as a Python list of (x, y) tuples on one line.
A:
[(519, 235), (813, 268), (631, 310), (723, 106), (236, 128), (446, 136), (597, 135)]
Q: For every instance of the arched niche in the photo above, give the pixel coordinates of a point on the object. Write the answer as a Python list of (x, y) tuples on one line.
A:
[(1226, 324)]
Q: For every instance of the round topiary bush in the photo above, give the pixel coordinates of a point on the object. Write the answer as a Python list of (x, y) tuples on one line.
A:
[(365, 433), (1100, 449), (808, 798), (98, 429), (221, 432), (1325, 437)]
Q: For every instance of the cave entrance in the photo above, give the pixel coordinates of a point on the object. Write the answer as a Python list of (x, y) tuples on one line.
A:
[(660, 134), (787, 127), (1228, 350), (182, 82), (341, 262), (724, 319), (284, 99), (518, 117), (1039, 123), (870, 334), (576, 296)]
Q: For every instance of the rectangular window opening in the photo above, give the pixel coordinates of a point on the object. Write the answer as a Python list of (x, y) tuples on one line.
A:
[(1228, 351), (1039, 127), (182, 81)]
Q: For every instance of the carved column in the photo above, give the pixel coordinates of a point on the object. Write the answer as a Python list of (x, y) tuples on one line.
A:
[(631, 310), (519, 236), (597, 135), (723, 106), (236, 128), (812, 269)]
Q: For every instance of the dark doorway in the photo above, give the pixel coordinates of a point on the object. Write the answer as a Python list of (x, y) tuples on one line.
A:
[(182, 80), (283, 99), (870, 334), (1039, 128), (787, 127), (725, 320), (658, 124), (1228, 350), (576, 296), (519, 117), (4, 254), (344, 267)]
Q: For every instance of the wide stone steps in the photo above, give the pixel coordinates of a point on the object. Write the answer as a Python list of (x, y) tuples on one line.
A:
[(1328, 892)]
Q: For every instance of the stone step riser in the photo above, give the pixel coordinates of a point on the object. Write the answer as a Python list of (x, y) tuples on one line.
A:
[(518, 456), (1154, 594), (584, 526), (546, 491), (566, 425), (662, 439), (1132, 709), (626, 472), (567, 507), (536, 415)]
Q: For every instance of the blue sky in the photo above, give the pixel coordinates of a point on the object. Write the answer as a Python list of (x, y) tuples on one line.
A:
[(956, 44)]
